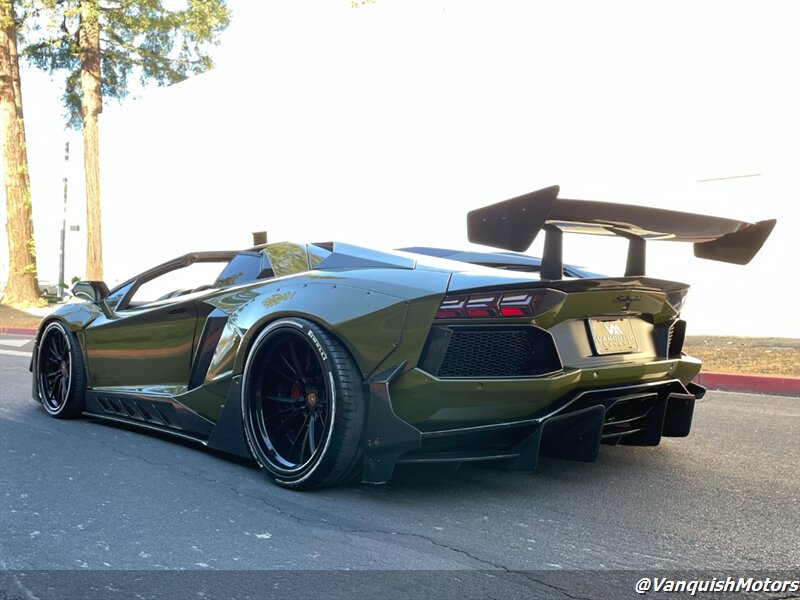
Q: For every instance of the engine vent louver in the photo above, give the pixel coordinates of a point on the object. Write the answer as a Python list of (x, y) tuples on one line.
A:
[(489, 352)]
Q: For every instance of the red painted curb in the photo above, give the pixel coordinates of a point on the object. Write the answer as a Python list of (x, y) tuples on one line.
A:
[(760, 384), (18, 330)]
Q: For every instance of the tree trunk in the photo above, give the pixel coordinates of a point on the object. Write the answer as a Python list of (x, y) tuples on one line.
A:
[(91, 107), (22, 287)]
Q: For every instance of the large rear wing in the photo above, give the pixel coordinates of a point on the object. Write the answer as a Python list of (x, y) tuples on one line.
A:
[(514, 224)]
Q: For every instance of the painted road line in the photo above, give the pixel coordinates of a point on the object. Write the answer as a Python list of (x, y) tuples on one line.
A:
[(5, 352), (14, 342)]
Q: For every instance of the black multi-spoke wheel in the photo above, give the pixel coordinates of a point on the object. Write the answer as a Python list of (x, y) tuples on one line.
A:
[(60, 372), (302, 405), (293, 404)]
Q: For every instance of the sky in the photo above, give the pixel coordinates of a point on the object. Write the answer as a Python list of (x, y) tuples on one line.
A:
[(383, 125)]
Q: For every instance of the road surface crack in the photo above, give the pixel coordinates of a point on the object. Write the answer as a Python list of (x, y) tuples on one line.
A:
[(320, 522), (353, 530), (550, 585), (302, 520), (325, 523)]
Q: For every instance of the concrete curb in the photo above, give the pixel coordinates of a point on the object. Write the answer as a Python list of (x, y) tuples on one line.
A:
[(727, 382), (754, 384)]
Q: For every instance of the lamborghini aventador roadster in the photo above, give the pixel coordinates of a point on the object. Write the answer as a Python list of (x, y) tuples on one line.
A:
[(329, 362)]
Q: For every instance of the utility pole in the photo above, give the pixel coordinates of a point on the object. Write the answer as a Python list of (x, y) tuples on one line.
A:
[(61, 283)]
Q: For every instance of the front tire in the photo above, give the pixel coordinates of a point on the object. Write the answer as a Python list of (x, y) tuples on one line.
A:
[(60, 372), (303, 406)]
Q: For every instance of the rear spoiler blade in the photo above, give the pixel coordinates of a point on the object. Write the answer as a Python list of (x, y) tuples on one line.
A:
[(514, 224)]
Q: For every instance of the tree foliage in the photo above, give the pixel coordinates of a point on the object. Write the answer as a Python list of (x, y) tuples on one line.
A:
[(146, 40), (102, 45)]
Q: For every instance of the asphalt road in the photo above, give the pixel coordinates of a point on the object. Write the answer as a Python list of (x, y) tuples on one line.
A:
[(79, 495)]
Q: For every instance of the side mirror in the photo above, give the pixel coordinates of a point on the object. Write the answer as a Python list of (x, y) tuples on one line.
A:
[(93, 291)]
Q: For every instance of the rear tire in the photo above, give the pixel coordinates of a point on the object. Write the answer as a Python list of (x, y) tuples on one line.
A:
[(303, 406), (60, 371)]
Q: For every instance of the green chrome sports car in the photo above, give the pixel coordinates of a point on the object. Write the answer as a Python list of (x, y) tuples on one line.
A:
[(329, 362)]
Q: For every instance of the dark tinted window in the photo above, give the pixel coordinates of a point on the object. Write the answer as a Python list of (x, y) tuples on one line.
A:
[(243, 268), (112, 300)]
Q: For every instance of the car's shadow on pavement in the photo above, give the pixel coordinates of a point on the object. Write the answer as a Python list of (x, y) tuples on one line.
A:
[(616, 468), (430, 481)]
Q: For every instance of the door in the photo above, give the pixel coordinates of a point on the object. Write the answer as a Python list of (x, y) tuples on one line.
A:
[(146, 336)]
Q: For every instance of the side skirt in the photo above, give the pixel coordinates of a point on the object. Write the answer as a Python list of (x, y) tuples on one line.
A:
[(164, 414), (145, 426), (161, 413)]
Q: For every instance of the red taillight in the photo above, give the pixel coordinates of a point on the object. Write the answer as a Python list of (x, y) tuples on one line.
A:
[(446, 314), (506, 304), (451, 308), (483, 305)]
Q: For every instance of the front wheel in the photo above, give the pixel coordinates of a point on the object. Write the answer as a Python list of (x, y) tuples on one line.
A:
[(303, 406), (61, 379)]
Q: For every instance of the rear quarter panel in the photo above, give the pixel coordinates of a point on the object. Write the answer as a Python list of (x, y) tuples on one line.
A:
[(366, 309)]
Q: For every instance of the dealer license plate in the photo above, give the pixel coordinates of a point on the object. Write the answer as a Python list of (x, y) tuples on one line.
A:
[(612, 336)]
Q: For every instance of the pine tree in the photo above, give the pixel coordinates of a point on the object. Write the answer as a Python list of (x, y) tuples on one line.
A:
[(21, 286), (101, 45)]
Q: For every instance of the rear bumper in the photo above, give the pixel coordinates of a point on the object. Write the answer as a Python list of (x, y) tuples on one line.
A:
[(570, 427)]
